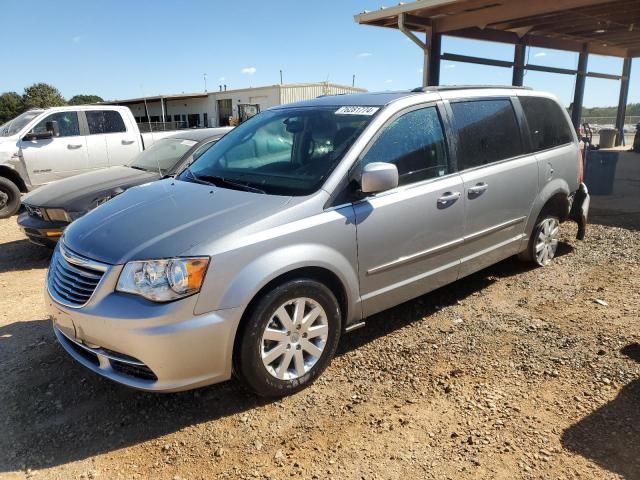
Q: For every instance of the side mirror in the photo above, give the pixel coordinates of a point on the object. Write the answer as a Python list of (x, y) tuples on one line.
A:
[(52, 130), (378, 177), (38, 136)]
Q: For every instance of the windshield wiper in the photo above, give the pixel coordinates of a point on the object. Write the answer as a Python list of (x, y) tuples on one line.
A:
[(221, 181), (138, 168)]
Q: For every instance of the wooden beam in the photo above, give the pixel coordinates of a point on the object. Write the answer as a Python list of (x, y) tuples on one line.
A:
[(507, 11), (540, 41), (578, 93), (544, 68), (605, 76), (624, 97)]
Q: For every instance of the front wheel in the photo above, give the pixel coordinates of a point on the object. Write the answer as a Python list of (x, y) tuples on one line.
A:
[(543, 243), (9, 198), (288, 339)]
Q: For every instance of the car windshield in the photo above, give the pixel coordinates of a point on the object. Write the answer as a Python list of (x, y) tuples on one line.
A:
[(163, 155), (14, 126), (288, 151)]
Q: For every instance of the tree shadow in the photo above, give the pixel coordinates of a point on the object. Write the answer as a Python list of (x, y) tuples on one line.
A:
[(610, 436), (20, 255), (56, 411)]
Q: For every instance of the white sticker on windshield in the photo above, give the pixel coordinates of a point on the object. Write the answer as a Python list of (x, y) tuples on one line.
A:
[(189, 143), (357, 110)]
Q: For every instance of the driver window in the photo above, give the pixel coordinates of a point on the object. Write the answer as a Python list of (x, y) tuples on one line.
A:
[(67, 123), (415, 144)]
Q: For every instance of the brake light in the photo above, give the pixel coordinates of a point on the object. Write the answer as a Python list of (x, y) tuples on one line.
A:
[(580, 167)]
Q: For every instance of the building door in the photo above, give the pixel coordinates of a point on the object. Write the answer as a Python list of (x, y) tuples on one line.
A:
[(225, 110), (193, 120)]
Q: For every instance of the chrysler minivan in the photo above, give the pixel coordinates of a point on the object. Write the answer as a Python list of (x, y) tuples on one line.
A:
[(304, 221)]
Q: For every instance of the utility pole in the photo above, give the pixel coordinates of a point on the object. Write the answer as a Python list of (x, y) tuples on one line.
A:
[(205, 81), (280, 77), (353, 80)]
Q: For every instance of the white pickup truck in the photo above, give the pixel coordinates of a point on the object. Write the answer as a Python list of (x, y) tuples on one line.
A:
[(44, 145)]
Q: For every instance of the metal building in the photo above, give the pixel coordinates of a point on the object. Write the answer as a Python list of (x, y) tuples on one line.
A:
[(223, 107)]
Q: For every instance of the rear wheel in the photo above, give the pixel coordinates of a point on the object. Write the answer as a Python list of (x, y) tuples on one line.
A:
[(9, 198), (543, 243), (289, 338)]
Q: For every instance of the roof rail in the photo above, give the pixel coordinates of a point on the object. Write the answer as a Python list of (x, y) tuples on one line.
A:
[(444, 88)]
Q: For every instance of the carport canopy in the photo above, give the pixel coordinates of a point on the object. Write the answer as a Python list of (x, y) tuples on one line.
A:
[(603, 27)]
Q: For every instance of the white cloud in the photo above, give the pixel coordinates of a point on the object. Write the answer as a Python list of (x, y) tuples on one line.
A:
[(365, 54), (420, 70), (540, 54), (76, 39), (221, 79), (249, 70), (388, 81), (449, 66)]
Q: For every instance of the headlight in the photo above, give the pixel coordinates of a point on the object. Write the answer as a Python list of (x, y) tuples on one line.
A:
[(163, 280)]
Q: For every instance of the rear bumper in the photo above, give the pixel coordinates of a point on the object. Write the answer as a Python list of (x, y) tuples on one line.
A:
[(39, 231), (579, 212)]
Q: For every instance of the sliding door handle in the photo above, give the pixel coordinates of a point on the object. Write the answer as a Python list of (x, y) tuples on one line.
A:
[(477, 190), (448, 198), (127, 142)]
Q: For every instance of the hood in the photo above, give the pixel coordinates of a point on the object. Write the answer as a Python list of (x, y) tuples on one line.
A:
[(164, 219), (80, 193)]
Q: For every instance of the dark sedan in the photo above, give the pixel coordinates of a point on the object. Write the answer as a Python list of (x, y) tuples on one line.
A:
[(49, 209)]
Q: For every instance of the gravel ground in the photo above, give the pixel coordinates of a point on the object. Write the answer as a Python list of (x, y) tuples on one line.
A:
[(510, 373)]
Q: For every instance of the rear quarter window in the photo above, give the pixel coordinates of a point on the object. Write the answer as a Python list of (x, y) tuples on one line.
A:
[(547, 124), (487, 132)]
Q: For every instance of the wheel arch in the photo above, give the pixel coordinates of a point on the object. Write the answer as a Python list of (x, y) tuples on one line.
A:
[(10, 174)]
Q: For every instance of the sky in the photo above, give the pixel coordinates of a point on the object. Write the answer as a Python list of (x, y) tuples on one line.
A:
[(122, 49)]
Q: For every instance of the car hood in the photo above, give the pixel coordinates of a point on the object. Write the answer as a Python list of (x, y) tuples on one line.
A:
[(164, 219), (80, 193)]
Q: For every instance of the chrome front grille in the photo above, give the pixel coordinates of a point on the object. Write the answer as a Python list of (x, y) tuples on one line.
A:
[(73, 279)]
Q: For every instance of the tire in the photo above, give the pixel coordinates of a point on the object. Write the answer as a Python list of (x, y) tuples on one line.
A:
[(9, 198), (282, 360), (543, 244)]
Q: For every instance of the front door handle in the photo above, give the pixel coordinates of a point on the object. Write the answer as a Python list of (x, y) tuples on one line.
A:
[(74, 146), (447, 199), (127, 142), (477, 190)]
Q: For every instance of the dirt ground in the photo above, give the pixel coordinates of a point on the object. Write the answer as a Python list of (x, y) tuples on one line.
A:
[(510, 373)]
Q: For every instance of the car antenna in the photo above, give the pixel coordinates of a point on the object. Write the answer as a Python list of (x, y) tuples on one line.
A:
[(146, 111)]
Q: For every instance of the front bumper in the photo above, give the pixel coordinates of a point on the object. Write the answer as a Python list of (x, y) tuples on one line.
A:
[(41, 232), (144, 345)]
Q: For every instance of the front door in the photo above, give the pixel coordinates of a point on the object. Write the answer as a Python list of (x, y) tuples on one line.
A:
[(51, 159), (409, 238), (500, 181), (109, 141)]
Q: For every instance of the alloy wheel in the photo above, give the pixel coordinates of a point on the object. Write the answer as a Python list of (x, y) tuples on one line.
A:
[(547, 241), (294, 339)]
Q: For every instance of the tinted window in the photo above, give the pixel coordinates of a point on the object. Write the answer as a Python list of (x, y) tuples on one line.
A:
[(415, 144), (547, 124), (67, 124), (487, 132), (105, 121), (163, 155)]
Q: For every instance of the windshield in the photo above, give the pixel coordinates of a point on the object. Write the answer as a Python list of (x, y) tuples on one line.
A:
[(14, 126), (163, 155), (282, 152)]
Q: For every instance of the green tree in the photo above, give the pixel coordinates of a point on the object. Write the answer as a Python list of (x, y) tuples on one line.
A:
[(11, 106), (42, 95), (84, 99)]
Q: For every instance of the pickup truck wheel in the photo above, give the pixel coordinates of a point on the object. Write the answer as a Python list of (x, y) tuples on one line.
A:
[(288, 339), (9, 198), (543, 243)]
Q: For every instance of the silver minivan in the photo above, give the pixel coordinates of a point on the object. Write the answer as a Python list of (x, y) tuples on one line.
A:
[(304, 221)]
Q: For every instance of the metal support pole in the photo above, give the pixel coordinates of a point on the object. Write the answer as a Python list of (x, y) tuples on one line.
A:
[(434, 60), (518, 65), (622, 102), (424, 46), (578, 94)]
